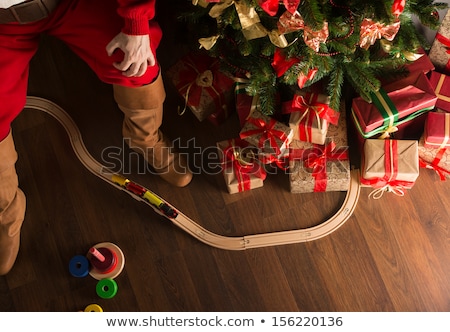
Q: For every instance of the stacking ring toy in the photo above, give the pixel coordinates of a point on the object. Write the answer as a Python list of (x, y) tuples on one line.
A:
[(107, 260)]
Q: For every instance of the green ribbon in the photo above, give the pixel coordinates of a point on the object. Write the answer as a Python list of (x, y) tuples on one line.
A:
[(389, 113), (386, 107)]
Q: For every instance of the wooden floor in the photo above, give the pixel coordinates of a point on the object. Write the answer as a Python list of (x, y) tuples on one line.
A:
[(391, 255)]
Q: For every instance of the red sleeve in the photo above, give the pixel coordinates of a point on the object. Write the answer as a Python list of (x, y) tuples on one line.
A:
[(136, 14)]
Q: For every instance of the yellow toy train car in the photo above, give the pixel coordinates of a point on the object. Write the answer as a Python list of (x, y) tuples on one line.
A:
[(145, 194)]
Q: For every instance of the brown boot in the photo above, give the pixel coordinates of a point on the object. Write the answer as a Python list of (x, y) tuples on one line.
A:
[(12, 206), (143, 110)]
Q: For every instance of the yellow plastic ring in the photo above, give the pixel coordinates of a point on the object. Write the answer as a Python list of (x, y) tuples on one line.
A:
[(93, 308)]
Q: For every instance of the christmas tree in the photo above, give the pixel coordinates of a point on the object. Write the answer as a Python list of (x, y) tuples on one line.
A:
[(280, 46)]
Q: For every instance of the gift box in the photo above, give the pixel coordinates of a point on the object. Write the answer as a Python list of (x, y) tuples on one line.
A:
[(389, 165), (435, 159), (441, 84), (240, 169), (269, 135), (393, 105), (310, 116), (438, 52), (437, 130), (423, 63), (410, 130), (319, 168), (205, 89)]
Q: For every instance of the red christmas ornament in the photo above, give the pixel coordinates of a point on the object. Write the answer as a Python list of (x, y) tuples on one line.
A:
[(435, 15)]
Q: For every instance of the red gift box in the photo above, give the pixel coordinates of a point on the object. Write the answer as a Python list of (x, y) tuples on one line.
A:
[(411, 130), (205, 89), (422, 64), (441, 84), (240, 169), (437, 130), (395, 104)]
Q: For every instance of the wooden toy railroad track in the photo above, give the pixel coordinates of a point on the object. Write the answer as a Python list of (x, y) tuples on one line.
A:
[(184, 222)]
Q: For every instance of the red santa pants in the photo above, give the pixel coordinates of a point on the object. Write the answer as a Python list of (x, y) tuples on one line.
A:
[(86, 26)]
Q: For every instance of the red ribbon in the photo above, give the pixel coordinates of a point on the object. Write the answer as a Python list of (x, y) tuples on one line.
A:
[(282, 163), (242, 170), (302, 78), (198, 66), (318, 163), (434, 165), (280, 64), (446, 42), (266, 132), (271, 6), (311, 110), (309, 101), (397, 7), (316, 159), (391, 170)]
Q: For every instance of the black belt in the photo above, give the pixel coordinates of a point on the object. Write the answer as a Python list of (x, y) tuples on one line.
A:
[(29, 11)]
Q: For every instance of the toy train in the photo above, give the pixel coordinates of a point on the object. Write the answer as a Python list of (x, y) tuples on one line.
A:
[(145, 194)]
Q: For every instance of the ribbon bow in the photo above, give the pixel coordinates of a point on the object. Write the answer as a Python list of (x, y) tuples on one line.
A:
[(317, 161), (308, 103), (271, 6), (267, 133), (389, 182), (394, 187), (371, 31), (242, 167), (280, 64), (198, 79), (397, 7), (289, 22)]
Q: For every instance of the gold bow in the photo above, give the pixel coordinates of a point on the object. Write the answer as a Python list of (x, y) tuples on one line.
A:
[(386, 45), (250, 23)]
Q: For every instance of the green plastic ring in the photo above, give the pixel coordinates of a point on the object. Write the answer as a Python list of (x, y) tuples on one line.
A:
[(106, 288)]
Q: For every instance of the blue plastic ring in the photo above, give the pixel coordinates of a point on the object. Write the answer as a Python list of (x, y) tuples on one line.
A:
[(79, 266)]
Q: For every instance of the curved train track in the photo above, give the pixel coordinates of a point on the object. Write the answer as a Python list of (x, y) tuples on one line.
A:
[(184, 222)]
